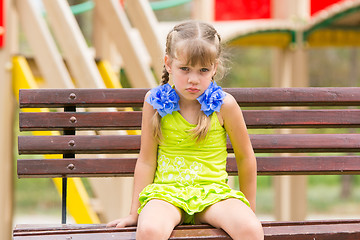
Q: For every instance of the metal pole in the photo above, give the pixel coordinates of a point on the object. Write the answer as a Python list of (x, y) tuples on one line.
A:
[(64, 180), (64, 196)]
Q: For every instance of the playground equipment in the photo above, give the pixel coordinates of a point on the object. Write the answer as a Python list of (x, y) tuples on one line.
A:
[(289, 28)]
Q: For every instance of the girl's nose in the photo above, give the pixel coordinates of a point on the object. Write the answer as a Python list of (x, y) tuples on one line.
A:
[(193, 79)]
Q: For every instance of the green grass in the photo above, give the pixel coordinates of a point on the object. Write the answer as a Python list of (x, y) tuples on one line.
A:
[(323, 196), (36, 196)]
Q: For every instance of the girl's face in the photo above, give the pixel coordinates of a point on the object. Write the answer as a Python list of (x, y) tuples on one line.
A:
[(190, 81)]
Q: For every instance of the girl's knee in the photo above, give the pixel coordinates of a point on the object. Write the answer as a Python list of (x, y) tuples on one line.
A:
[(157, 220), (151, 231), (251, 230)]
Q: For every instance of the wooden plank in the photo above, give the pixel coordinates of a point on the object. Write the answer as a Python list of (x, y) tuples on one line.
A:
[(79, 144), (46, 54), (318, 232), (341, 96), (96, 167), (114, 19), (308, 165), (275, 143), (301, 143), (73, 44), (7, 51), (302, 118), (307, 96), (80, 121), (323, 230), (143, 18), (25, 228), (103, 45), (82, 98), (349, 118), (107, 167)]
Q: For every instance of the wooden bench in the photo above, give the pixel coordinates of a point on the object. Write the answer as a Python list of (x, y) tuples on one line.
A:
[(309, 108)]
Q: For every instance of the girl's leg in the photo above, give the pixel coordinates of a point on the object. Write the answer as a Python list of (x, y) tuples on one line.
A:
[(234, 217), (157, 220)]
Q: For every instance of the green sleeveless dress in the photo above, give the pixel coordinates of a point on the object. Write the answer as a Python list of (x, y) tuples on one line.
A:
[(190, 175)]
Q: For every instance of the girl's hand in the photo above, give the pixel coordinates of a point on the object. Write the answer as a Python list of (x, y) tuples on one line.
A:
[(130, 220)]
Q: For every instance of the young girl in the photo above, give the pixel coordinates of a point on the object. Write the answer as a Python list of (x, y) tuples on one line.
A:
[(180, 175)]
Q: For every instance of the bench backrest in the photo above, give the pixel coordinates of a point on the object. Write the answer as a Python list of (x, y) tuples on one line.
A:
[(100, 110)]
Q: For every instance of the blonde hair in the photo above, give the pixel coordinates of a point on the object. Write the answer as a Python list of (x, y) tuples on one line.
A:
[(200, 44)]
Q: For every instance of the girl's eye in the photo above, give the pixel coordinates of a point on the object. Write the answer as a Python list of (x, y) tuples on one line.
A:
[(204, 70), (184, 68)]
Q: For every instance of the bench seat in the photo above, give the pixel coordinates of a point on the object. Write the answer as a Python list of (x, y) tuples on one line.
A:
[(320, 230)]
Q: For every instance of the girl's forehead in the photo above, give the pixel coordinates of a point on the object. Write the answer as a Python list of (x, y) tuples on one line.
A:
[(195, 52), (186, 62)]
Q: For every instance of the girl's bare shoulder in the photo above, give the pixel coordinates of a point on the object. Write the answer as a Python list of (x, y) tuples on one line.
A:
[(229, 103), (228, 107)]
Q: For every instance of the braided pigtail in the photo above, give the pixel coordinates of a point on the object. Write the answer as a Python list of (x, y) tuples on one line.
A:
[(165, 76), (156, 121)]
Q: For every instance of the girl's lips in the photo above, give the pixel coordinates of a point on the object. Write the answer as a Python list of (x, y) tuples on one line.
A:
[(193, 90)]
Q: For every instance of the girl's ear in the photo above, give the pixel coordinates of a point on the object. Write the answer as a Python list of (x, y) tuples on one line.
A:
[(215, 68), (167, 61)]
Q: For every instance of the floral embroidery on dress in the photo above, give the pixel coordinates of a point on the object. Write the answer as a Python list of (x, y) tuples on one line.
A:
[(179, 162), (196, 167), (171, 174), (188, 176), (163, 163), (177, 171), (165, 169)]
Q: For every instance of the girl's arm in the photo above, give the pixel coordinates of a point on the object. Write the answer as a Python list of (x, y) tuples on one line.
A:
[(245, 158), (145, 166)]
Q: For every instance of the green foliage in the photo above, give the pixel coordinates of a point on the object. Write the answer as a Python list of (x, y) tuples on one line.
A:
[(264, 182), (333, 67), (36, 196), (327, 199), (250, 67)]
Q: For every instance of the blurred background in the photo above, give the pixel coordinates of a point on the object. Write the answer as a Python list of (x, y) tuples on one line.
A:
[(270, 43)]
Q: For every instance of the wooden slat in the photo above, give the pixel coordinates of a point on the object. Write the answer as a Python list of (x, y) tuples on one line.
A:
[(108, 167), (96, 167), (30, 121), (302, 118), (245, 97), (320, 230), (308, 165), (79, 144), (80, 121), (348, 96), (24, 228), (304, 143), (292, 143), (81, 97)]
